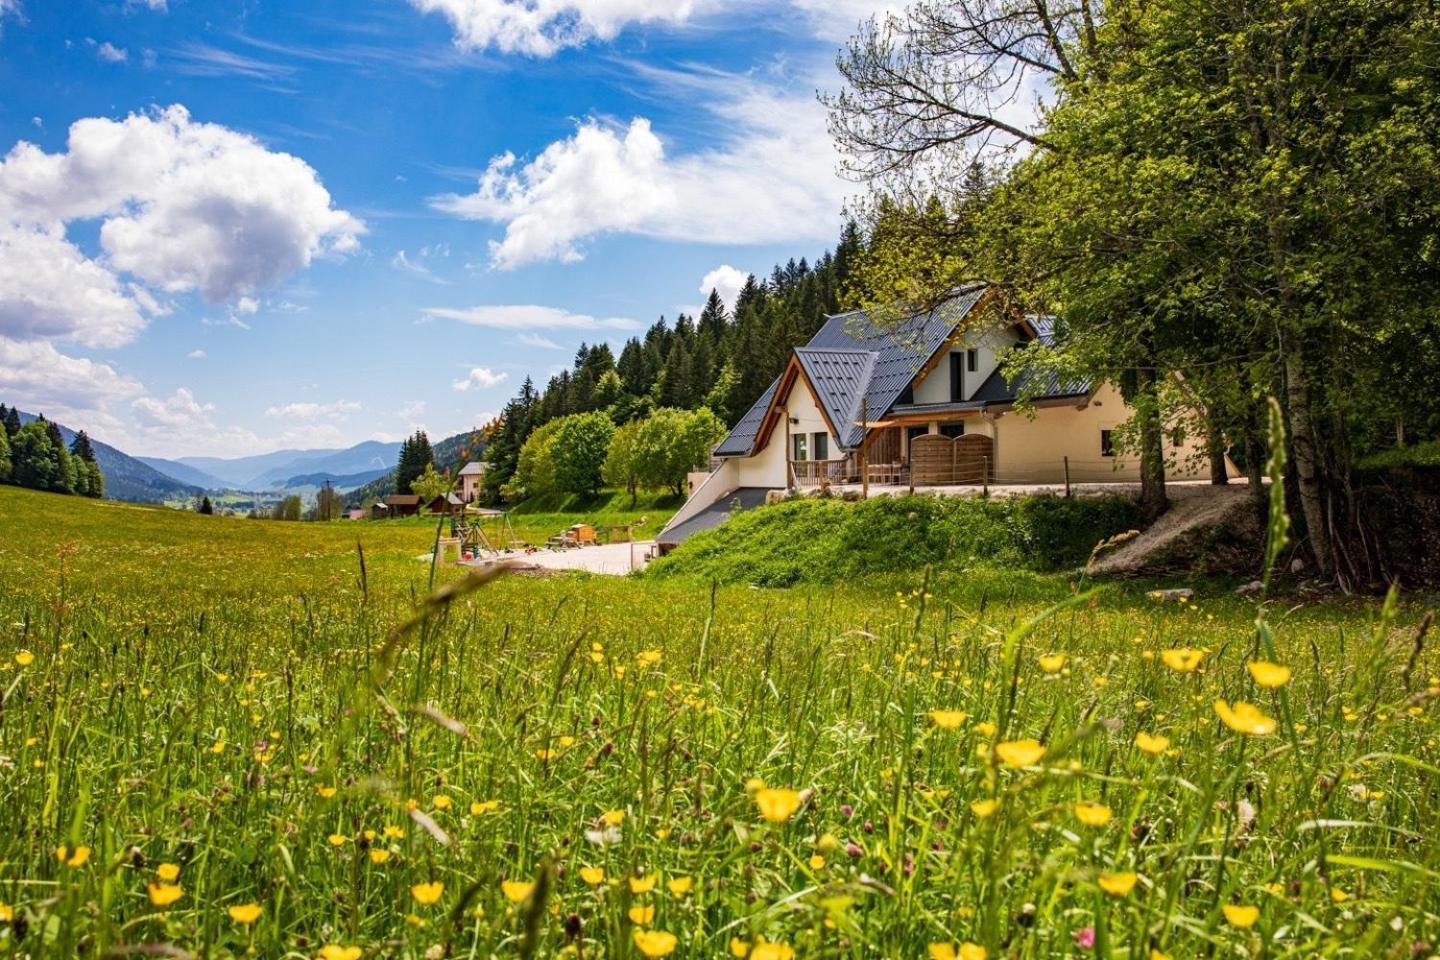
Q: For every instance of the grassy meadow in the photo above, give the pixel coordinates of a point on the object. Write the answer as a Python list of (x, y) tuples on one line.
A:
[(222, 737)]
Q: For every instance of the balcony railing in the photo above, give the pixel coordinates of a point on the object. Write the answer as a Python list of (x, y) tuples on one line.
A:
[(814, 473)]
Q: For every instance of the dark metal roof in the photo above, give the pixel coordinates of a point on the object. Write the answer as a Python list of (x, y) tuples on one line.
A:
[(952, 406), (839, 378), (742, 438), (717, 513), (1034, 384)]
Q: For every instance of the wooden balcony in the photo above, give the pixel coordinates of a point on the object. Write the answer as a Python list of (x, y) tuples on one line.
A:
[(815, 473)]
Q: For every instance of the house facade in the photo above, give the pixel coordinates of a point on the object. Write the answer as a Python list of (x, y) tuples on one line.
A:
[(924, 403), (472, 477)]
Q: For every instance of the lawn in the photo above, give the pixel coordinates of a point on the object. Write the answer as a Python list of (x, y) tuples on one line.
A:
[(223, 737)]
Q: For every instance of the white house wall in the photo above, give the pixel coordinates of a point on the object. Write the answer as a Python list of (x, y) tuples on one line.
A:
[(990, 342), (768, 467)]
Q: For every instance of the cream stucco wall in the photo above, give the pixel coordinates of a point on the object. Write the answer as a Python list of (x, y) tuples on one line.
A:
[(1033, 450), (768, 467), (990, 344)]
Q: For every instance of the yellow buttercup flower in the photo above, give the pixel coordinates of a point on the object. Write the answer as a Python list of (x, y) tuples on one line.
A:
[(777, 804), (941, 951), (642, 915), (1244, 718), (1269, 675), (245, 913), (643, 884), (326, 792), (739, 948), (516, 890), (7, 912), (1338, 896), (1152, 743), (679, 886), (1020, 753), (613, 818), (395, 833), (971, 951), (333, 951), (379, 855), (986, 729), (765, 950), (164, 894), (73, 858), (1092, 814), (484, 806), (1241, 916), (442, 801), (336, 839), (816, 862), (1053, 662), (948, 719), (984, 808), (167, 872), (1117, 884), (427, 893), (593, 875), (1182, 659), (655, 943), (24, 658)]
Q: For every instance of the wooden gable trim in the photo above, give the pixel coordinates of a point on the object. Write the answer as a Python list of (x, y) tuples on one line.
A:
[(793, 371)]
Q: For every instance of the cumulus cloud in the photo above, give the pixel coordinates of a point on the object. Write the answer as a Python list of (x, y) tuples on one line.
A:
[(480, 378), (196, 354), (77, 392), (110, 53), (725, 280), (181, 423), (542, 27), (182, 206), (309, 412), (773, 180), (50, 290), (529, 317)]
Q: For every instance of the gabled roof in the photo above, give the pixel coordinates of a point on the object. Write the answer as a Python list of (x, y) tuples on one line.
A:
[(402, 500), (472, 469), (897, 353)]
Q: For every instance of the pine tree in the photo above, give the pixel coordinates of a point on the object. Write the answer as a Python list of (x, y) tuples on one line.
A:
[(4, 455), (32, 457), (64, 480), (12, 422), (206, 507), (415, 456)]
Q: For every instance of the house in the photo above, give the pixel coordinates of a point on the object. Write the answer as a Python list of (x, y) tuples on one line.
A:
[(402, 505), (356, 514), (472, 476), (920, 402), (450, 504)]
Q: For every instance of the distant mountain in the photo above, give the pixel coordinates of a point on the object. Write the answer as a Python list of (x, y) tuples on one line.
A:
[(126, 477), (338, 482), (271, 470), (452, 452), (184, 473)]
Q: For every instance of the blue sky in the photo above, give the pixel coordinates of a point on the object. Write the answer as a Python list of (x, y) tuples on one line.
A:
[(231, 226)]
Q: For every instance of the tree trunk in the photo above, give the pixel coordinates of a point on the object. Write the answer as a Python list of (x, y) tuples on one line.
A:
[(1152, 448), (1255, 473), (1215, 449), (1307, 456)]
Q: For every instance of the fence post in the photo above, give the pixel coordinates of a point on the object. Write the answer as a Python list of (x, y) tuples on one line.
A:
[(1067, 478), (985, 480), (864, 448)]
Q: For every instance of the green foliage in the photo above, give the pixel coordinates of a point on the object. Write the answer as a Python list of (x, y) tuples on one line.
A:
[(671, 443), (622, 462), (415, 456), (824, 540), (1417, 455), (35, 460), (4, 452), (429, 484), (289, 508), (535, 468), (579, 449)]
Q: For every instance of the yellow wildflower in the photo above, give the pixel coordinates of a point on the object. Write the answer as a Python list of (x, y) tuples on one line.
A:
[(333, 951), (642, 915), (1092, 814), (442, 801), (1020, 753), (984, 808), (1241, 916), (765, 950), (379, 855), (516, 890), (73, 858), (164, 894), (777, 804), (245, 913), (655, 943), (1052, 662), (1183, 659), (1269, 675), (593, 875), (24, 658), (1244, 718), (679, 886), (1117, 884), (1152, 743), (336, 839), (483, 806), (613, 818), (167, 872), (643, 884), (948, 719)]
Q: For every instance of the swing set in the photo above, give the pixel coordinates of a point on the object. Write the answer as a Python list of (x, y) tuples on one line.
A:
[(474, 538)]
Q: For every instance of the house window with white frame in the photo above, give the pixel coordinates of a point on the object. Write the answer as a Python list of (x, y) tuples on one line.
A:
[(799, 447)]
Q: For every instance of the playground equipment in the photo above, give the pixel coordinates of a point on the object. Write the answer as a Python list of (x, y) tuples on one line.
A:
[(472, 536)]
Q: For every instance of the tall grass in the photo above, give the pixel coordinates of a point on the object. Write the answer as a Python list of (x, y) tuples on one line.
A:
[(233, 700)]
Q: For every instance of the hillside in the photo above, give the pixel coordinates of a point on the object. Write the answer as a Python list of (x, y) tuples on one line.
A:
[(450, 453), (127, 477), (184, 473), (270, 470)]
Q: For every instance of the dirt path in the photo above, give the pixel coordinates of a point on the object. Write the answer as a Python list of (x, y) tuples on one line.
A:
[(1191, 508)]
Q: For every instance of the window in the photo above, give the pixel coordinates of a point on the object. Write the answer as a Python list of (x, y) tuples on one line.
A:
[(953, 430), (972, 360), (822, 446), (1107, 445), (912, 432), (798, 443), (957, 377)]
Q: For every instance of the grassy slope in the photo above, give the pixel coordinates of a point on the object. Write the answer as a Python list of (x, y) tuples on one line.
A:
[(818, 540), (157, 636)]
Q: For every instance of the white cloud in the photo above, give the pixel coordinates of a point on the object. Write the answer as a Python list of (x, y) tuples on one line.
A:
[(726, 280), (837, 19), (50, 290), (411, 410), (529, 317), (309, 412), (110, 53), (247, 306), (535, 340), (772, 179), (181, 424), (402, 262), (196, 355), (480, 378), (542, 27), (77, 392), (184, 205)]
